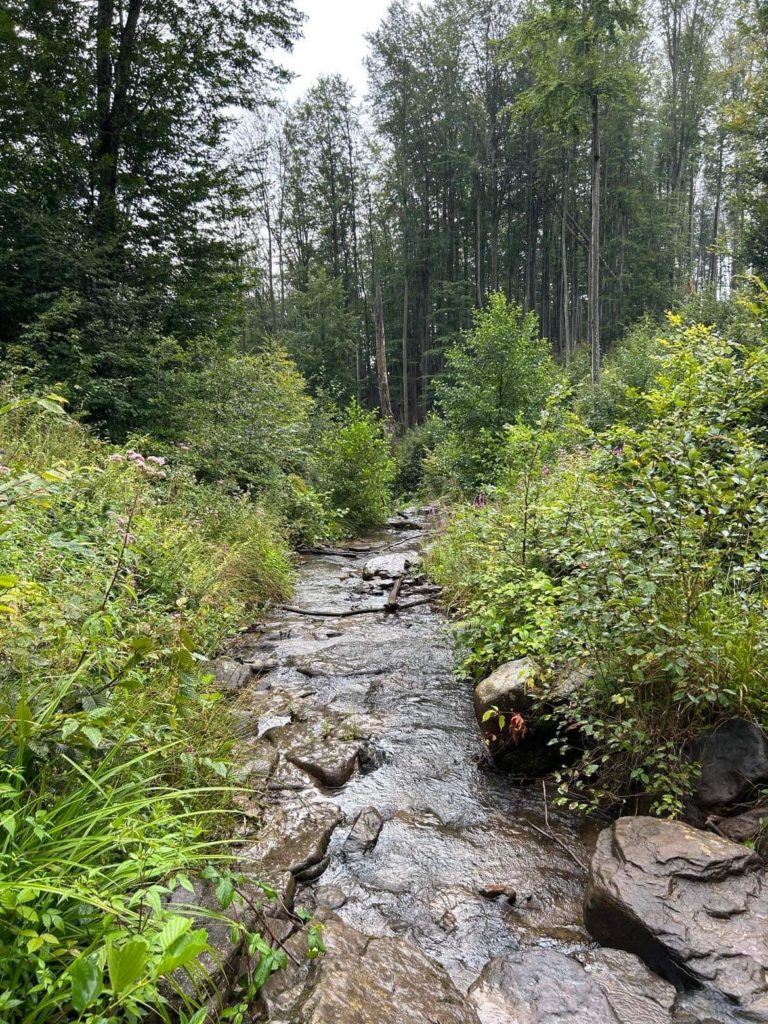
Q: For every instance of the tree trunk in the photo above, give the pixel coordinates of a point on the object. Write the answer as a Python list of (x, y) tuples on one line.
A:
[(112, 88), (594, 245), (564, 282), (381, 360), (405, 414)]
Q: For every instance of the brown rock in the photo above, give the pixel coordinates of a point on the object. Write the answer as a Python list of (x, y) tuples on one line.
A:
[(363, 980), (694, 906)]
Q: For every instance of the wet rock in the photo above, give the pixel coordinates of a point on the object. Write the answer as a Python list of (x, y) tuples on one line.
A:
[(257, 761), (269, 722), (539, 986), (230, 675), (364, 833), (331, 762), (390, 566), (496, 892), (743, 827), (331, 896), (694, 906), (294, 838), (734, 760), (637, 995), (363, 980), (508, 689)]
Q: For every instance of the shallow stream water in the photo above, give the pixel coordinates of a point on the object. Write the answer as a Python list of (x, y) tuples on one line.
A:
[(452, 826)]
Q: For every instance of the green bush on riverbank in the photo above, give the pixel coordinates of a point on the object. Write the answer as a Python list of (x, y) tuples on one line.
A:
[(639, 550)]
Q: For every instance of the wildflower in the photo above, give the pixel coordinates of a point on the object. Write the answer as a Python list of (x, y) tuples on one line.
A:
[(480, 501), (127, 538), (156, 460), (618, 451), (116, 458), (5, 470)]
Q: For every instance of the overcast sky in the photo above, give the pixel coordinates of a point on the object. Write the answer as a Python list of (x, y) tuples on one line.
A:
[(333, 41)]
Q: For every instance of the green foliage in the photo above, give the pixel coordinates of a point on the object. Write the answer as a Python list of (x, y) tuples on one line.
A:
[(629, 371), (320, 334), (249, 420), (356, 470), (641, 555), (497, 373), (410, 455), (120, 575)]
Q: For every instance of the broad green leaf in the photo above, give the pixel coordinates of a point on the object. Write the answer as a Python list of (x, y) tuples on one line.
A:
[(126, 964), (87, 983)]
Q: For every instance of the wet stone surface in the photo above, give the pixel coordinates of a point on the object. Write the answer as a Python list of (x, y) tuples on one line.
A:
[(385, 819)]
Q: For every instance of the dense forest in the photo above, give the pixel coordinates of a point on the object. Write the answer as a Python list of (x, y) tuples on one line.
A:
[(521, 281)]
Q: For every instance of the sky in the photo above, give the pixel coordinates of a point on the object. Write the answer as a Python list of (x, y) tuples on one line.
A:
[(334, 42)]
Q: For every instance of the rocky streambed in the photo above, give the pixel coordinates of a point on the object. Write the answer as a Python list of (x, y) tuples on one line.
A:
[(447, 895)]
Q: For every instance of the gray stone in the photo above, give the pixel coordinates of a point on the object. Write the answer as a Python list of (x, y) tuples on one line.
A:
[(363, 980), (230, 675), (694, 906), (510, 688), (734, 760), (539, 986), (390, 566), (744, 827), (636, 994), (364, 833)]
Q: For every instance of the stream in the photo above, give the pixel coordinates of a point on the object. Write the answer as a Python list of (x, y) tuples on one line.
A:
[(376, 695)]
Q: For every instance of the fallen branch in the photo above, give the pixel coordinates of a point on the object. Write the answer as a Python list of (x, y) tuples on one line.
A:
[(394, 593), (328, 613), (549, 834)]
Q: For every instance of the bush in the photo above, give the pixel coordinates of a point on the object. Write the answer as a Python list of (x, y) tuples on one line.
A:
[(641, 554), (120, 576), (498, 373), (410, 455), (356, 471), (249, 422)]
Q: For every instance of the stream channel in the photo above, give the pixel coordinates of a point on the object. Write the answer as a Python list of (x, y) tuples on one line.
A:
[(364, 714)]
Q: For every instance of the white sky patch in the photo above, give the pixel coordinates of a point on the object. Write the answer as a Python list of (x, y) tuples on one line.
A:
[(334, 42)]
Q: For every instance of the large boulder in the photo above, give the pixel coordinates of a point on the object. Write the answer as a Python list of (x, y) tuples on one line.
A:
[(734, 761), (512, 705), (693, 905), (389, 567), (509, 689), (362, 980), (543, 986)]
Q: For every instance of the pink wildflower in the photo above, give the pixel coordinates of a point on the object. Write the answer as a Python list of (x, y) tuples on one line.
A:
[(5, 470)]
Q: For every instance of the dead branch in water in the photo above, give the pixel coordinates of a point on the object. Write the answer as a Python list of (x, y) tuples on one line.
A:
[(329, 613)]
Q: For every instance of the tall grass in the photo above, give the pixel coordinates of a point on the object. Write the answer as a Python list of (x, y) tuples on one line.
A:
[(119, 576)]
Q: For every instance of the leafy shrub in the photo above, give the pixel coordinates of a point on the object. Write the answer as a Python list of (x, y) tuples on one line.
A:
[(250, 420), (410, 455), (499, 372), (648, 546), (356, 470)]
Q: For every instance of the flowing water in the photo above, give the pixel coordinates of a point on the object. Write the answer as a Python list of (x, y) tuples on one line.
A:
[(452, 826)]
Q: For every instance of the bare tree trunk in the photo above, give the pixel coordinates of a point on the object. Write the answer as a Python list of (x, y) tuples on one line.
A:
[(594, 244), (714, 256), (112, 87), (564, 281), (406, 416), (381, 360)]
